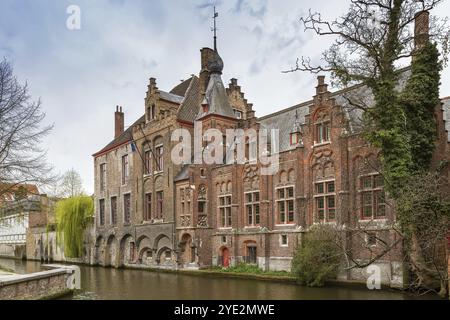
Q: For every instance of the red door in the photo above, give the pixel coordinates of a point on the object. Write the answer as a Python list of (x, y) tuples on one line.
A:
[(225, 258)]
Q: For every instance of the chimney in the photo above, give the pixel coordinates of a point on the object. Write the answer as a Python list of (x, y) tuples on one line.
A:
[(421, 29), (321, 86), (119, 122)]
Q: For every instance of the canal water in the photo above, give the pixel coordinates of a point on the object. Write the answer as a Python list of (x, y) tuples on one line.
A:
[(122, 284)]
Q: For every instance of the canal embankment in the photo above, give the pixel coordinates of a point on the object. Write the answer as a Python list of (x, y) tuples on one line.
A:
[(54, 282), (275, 277)]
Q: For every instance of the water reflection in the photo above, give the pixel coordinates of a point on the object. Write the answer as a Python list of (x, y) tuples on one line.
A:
[(105, 284)]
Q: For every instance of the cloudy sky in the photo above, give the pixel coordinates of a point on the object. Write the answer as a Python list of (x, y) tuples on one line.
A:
[(82, 75)]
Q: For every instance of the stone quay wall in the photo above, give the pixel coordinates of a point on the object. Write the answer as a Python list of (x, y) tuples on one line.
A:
[(58, 281)]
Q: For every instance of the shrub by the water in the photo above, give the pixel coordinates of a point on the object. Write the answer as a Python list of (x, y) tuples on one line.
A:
[(72, 218), (319, 258)]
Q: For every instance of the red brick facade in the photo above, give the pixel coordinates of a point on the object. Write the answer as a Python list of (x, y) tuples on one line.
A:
[(227, 214)]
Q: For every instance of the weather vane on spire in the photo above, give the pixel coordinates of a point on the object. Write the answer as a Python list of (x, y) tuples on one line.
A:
[(216, 14)]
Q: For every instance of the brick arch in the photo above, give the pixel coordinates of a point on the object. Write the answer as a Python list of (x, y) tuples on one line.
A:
[(144, 253), (186, 246), (158, 240), (291, 175), (100, 250), (321, 111), (282, 177), (111, 251), (161, 252), (127, 251), (140, 239)]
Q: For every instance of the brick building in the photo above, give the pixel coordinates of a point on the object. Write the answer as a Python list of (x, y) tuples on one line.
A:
[(153, 212)]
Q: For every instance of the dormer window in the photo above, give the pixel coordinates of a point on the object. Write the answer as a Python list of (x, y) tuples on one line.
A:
[(296, 138), (296, 133), (238, 114), (205, 108)]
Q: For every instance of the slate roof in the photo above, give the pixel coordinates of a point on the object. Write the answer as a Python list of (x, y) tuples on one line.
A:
[(217, 99), (176, 95), (181, 89), (125, 137), (285, 120), (189, 107), (170, 97)]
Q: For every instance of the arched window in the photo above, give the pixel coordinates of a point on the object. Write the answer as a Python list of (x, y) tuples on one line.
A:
[(159, 155), (148, 159), (322, 128)]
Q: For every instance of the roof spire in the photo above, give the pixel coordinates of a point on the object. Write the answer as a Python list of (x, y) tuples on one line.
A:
[(216, 14)]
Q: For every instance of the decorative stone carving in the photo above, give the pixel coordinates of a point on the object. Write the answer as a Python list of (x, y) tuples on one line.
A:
[(323, 165), (202, 221), (185, 221)]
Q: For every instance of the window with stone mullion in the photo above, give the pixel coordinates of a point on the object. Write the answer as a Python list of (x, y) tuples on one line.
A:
[(252, 208)]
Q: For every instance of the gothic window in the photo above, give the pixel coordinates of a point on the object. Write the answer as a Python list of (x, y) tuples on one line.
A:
[(322, 128), (113, 211), (285, 205), (325, 198), (225, 211), (148, 207), (125, 169), (323, 132), (159, 158), (160, 202), (103, 177), (373, 203), (202, 200), (148, 162), (252, 208), (127, 208), (102, 211)]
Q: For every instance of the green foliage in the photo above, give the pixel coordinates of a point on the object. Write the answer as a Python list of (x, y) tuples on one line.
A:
[(72, 218), (419, 100), (251, 269), (319, 258), (402, 124)]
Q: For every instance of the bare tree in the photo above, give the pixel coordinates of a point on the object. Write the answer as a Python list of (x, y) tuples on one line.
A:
[(22, 159), (370, 39), (70, 185)]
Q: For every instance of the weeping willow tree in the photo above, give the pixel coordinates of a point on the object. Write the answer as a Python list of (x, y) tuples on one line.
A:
[(72, 219)]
